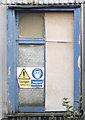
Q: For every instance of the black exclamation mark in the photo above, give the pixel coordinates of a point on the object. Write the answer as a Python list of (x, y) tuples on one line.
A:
[(23, 74)]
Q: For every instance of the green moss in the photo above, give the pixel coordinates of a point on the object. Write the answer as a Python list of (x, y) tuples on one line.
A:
[(9, 106)]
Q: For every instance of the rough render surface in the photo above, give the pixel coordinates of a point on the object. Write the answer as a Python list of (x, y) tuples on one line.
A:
[(0, 72), (3, 64)]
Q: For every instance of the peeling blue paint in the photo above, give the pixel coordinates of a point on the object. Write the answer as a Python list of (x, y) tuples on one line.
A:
[(77, 54)]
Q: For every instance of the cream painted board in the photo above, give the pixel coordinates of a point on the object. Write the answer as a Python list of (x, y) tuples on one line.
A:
[(59, 75), (59, 26)]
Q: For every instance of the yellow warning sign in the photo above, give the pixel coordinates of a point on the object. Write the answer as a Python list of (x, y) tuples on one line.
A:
[(24, 79)]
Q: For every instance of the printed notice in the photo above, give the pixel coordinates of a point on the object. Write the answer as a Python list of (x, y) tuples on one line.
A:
[(30, 77), (24, 79)]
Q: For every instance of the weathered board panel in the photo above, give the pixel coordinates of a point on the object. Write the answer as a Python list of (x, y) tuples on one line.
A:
[(57, 30), (59, 74), (59, 59)]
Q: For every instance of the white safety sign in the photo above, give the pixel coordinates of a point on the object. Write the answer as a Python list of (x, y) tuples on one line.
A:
[(30, 77)]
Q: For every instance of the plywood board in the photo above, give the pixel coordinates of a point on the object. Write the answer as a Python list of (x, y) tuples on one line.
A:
[(59, 26), (59, 75)]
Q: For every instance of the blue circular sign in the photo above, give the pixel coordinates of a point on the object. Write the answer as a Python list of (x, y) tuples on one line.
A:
[(37, 73)]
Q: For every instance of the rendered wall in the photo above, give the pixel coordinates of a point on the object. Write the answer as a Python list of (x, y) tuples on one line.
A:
[(3, 63)]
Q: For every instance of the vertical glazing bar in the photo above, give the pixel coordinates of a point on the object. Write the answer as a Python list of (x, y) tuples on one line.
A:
[(77, 54)]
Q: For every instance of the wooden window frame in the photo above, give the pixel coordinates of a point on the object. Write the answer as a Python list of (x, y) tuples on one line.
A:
[(12, 55)]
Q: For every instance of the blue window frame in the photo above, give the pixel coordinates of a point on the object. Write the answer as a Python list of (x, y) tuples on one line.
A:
[(12, 52), (30, 41)]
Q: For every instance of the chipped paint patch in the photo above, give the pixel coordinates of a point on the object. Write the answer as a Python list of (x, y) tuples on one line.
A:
[(79, 40), (79, 62), (9, 69)]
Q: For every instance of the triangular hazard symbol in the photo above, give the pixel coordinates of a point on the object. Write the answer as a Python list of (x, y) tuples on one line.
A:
[(23, 75)]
